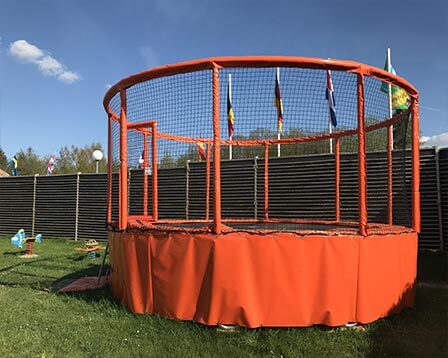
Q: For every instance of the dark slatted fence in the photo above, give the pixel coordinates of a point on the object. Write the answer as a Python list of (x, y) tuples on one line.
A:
[(75, 206), (443, 195)]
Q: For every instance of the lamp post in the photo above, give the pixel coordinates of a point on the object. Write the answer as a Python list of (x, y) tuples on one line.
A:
[(97, 155)]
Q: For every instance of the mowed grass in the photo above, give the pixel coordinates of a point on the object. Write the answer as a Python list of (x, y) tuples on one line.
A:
[(37, 323)]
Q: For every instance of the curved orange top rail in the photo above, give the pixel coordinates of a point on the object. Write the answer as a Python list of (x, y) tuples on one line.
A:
[(259, 61)]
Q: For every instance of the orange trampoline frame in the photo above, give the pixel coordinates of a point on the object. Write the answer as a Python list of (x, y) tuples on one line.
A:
[(350, 266)]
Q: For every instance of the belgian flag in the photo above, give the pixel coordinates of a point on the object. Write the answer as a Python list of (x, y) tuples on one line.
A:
[(201, 150)]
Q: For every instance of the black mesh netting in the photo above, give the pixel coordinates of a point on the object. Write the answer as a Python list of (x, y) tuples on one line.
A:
[(301, 174)]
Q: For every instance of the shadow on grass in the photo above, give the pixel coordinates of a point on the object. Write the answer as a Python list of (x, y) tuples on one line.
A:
[(93, 295), (43, 272), (14, 253), (420, 331)]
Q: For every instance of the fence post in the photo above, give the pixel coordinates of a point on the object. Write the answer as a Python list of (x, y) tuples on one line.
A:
[(155, 173), (256, 187), (34, 204), (187, 189), (337, 168), (77, 205), (439, 197), (207, 184), (266, 182)]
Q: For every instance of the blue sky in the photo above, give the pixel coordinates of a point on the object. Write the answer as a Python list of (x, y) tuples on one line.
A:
[(54, 97)]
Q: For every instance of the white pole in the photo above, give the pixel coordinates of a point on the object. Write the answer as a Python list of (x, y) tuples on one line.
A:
[(389, 69), (278, 131), (278, 145), (330, 126), (330, 130), (230, 148), (230, 99)]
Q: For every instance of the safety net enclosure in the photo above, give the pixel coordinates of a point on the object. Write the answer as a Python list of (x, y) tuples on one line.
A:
[(298, 241)]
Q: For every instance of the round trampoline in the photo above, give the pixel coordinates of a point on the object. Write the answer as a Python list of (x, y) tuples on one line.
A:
[(264, 191)]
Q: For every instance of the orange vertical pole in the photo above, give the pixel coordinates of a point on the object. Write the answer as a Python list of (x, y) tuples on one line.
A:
[(389, 175), (362, 165), (123, 215), (155, 181), (109, 170), (337, 160), (415, 167), (266, 182), (207, 183), (145, 177), (216, 154)]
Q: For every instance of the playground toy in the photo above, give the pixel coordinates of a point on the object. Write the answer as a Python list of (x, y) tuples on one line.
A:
[(91, 247), (19, 239), (271, 267)]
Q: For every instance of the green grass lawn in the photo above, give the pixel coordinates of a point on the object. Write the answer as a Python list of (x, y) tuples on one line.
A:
[(37, 323)]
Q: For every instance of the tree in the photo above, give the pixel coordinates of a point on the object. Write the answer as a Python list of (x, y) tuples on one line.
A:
[(30, 163), (74, 159), (69, 161), (3, 160), (403, 134), (167, 161)]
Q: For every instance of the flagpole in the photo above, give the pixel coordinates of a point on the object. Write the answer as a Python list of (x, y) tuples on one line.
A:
[(390, 148), (230, 148), (389, 86), (278, 129), (230, 98), (330, 130)]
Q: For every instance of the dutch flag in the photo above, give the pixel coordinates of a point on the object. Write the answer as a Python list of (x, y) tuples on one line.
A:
[(329, 95)]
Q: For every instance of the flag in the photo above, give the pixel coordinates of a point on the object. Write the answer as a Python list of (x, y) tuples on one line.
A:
[(141, 160), (329, 95), (400, 99), (278, 103), (230, 113), (13, 163), (201, 150), (50, 165)]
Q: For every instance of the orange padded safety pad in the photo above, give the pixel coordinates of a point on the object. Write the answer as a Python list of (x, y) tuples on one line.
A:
[(255, 280)]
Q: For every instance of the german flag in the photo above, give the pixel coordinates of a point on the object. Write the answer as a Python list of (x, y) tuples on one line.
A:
[(278, 102), (201, 150), (230, 113)]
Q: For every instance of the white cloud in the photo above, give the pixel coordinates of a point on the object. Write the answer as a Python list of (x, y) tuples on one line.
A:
[(49, 66), (440, 140), (25, 52), (150, 56), (68, 77)]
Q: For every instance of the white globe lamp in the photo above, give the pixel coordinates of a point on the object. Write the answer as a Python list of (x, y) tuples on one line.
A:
[(97, 155)]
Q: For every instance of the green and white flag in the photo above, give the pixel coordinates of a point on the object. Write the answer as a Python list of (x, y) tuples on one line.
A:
[(400, 99)]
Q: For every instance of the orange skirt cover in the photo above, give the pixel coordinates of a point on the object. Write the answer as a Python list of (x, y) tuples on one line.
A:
[(255, 280)]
